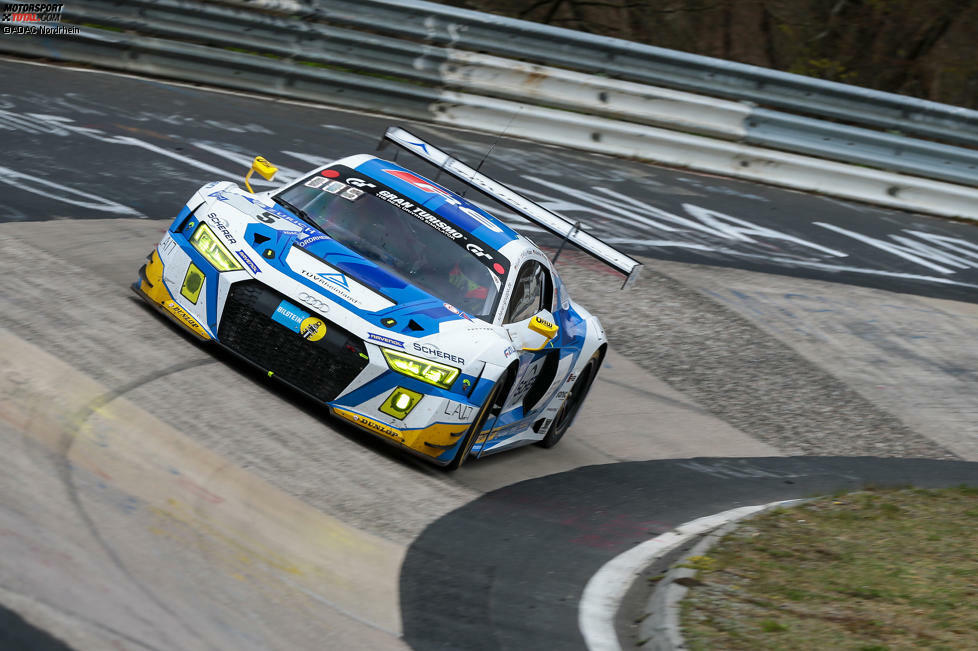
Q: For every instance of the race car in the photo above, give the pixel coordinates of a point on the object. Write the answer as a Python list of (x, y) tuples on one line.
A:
[(404, 308)]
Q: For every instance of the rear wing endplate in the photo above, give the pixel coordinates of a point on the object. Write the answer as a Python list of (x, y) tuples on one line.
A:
[(534, 212)]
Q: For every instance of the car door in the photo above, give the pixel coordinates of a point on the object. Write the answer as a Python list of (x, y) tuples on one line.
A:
[(532, 296)]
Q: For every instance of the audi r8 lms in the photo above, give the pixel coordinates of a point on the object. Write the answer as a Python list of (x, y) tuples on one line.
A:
[(401, 306)]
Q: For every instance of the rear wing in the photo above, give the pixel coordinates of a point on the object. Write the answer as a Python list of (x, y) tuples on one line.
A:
[(536, 213)]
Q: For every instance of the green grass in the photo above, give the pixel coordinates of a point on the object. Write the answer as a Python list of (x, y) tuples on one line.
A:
[(882, 569)]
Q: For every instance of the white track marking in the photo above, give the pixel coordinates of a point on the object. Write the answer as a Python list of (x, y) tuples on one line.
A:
[(603, 593), (63, 193)]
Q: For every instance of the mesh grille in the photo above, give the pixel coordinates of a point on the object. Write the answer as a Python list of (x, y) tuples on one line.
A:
[(321, 368)]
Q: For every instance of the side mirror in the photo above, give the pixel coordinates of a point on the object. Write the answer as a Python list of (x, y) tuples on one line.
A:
[(263, 167), (539, 331)]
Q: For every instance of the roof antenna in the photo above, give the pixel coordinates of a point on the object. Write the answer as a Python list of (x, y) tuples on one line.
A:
[(493, 145)]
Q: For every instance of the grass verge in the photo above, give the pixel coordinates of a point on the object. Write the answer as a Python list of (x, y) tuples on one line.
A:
[(868, 571)]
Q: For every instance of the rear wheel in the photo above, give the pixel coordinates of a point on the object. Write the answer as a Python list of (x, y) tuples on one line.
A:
[(572, 403), (477, 425)]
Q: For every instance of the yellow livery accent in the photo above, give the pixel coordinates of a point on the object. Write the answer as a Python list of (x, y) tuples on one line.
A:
[(543, 327), (441, 435), (313, 328), (192, 284), (155, 290), (263, 167)]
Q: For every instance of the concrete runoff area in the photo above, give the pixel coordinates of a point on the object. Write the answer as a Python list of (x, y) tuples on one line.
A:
[(264, 437), (215, 470)]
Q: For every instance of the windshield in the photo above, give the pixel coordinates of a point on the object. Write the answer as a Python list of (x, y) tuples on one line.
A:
[(402, 237)]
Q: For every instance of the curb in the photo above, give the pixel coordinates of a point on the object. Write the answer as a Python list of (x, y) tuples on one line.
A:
[(660, 630)]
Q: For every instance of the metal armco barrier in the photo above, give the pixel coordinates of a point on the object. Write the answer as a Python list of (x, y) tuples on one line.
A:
[(475, 31), (389, 57)]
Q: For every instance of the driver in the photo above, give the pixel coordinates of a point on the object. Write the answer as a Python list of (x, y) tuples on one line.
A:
[(466, 281)]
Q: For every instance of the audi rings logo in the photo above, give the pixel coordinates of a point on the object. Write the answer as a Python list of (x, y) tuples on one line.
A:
[(314, 301)]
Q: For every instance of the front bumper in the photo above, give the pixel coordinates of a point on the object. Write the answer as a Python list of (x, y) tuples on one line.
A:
[(322, 368)]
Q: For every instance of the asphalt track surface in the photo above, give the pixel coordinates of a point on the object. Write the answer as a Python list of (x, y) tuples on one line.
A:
[(158, 495)]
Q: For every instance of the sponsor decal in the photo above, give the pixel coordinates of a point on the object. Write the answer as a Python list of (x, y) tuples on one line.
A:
[(482, 219), (420, 183), (289, 315), (337, 278), (335, 282), (458, 411), (312, 328), (477, 251), (330, 174), (509, 351), (184, 316), (251, 265), (498, 268), (315, 182), (433, 351), (369, 423), (166, 245), (433, 188), (384, 339), (360, 183), (454, 310), (422, 145), (506, 431), (221, 225), (441, 226), (312, 239), (571, 377), (314, 302), (332, 287), (466, 384), (561, 395)]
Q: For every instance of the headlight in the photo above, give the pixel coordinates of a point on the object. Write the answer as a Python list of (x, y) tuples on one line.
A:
[(421, 369), (207, 244)]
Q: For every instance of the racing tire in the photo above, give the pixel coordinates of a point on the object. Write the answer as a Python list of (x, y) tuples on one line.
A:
[(477, 425), (572, 403)]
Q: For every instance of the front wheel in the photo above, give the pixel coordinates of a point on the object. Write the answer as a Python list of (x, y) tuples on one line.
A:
[(572, 403)]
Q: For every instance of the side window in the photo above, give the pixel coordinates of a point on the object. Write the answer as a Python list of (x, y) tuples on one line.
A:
[(531, 293)]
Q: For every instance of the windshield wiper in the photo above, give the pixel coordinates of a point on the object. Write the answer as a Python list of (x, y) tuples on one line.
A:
[(298, 211)]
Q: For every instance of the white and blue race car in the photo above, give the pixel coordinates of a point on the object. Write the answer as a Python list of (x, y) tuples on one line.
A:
[(406, 309)]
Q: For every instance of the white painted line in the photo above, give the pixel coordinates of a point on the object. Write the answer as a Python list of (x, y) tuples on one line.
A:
[(603, 593), (863, 270)]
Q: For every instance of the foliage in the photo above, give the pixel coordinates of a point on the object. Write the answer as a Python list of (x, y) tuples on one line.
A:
[(873, 570), (922, 48)]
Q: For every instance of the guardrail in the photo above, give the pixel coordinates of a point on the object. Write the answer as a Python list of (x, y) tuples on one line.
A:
[(626, 60), (286, 49)]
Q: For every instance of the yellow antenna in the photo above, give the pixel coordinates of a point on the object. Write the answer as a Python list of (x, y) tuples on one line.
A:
[(264, 168)]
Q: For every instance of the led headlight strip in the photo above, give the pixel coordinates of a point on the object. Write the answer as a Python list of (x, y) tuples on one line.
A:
[(421, 369), (207, 244)]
